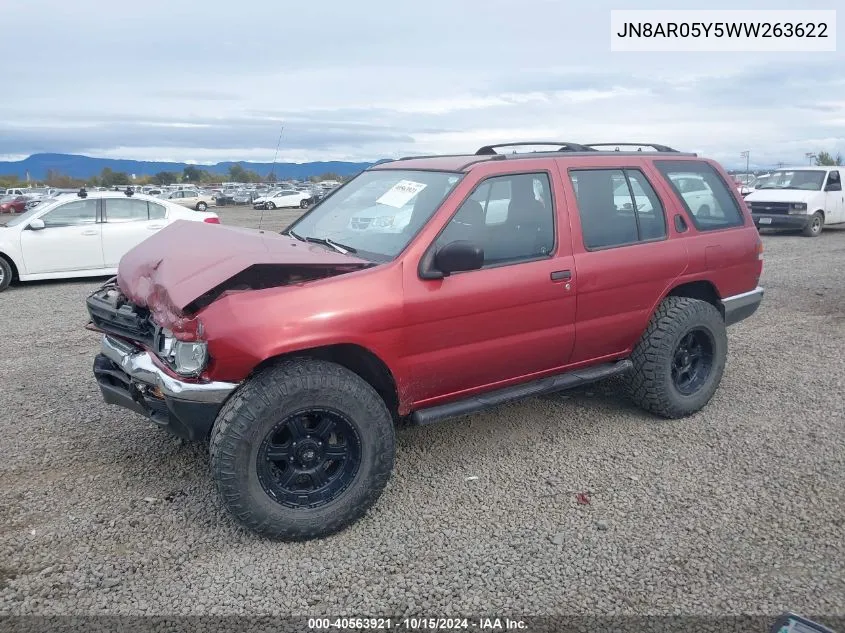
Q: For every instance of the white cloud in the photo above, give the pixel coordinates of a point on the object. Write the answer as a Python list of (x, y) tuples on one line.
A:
[(377, 78)]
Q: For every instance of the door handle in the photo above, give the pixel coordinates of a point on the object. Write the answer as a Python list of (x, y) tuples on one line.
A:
[(90, 232), (561, 275)]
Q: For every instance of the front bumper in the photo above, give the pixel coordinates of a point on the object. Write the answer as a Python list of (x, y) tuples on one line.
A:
[(780, 221), (742, 306), (129, 378)]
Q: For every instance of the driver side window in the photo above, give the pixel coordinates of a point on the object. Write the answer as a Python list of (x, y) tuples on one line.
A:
[(510, 217), (74, 213), (833, 182)]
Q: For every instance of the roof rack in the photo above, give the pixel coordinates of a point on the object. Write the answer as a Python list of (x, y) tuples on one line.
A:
[(656, 147), (563, 146)]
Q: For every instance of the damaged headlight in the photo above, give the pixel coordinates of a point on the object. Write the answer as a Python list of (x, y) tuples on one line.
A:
[(188, 358)]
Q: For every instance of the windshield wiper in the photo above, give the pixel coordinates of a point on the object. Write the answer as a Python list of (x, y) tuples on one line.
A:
[(340, 248), (293, 235)]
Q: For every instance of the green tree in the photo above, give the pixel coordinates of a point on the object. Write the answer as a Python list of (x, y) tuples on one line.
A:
[(109, 178), (271, 177), (192, 173), (826, 159), (237, 173), (164, 178)]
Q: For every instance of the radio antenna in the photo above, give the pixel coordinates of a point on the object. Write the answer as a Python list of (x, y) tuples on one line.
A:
[(272, 173)]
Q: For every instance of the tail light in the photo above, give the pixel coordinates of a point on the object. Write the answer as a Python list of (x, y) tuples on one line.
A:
[(212, 220)]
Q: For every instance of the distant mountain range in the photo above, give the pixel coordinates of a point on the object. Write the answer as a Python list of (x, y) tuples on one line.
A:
[(77, 166)]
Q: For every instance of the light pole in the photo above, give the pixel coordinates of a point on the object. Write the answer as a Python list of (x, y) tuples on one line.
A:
[(811, 156), (747, 156)]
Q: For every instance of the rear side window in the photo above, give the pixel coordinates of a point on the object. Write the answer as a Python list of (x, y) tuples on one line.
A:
[(157, 211), (617, 207), (706, 196)]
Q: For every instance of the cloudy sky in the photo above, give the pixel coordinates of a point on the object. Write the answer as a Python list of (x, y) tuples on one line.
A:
[(217, 80)]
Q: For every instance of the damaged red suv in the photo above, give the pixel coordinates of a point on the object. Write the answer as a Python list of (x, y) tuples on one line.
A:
[(425, 288)]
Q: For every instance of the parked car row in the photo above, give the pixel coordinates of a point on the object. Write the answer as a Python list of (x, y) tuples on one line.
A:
[(83, 234)]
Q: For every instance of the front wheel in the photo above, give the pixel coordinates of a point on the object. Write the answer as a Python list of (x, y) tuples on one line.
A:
[(302, 450), (201, 206), (679, 361), (269, 206), (815, 225), (303, 204)]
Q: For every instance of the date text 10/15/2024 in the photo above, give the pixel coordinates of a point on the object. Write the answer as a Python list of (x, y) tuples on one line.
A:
[(416, 624)]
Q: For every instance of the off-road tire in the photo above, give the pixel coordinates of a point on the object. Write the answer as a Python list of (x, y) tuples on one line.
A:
[(250, 414), (5, 273), (815, 225), (650, 383)]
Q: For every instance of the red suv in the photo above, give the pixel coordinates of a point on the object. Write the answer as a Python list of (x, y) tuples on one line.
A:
[(422, 289)]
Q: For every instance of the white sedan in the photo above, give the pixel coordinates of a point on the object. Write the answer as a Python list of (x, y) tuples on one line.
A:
[(282, 199), (83, 235)]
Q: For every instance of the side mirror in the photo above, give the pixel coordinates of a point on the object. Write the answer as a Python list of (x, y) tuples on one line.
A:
[(36, 225), (458, 256), (793, 623)]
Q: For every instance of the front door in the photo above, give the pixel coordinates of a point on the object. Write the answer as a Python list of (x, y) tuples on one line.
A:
[(70, 240), (514, 317)]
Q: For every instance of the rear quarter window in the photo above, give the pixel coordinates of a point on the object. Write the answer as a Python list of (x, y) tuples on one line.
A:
[(707, 198)]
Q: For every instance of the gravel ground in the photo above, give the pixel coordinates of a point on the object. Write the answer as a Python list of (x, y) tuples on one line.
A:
[(739, 509)]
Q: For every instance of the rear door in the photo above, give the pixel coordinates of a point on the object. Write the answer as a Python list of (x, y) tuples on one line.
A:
[(514, 318), (626, 252), (126, 223)]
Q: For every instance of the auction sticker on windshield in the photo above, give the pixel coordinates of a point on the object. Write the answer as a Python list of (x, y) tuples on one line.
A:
[(400, 193)]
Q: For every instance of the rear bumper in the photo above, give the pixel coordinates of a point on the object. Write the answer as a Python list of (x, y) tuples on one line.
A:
[(127, 377), (742, 306), (781, 221)]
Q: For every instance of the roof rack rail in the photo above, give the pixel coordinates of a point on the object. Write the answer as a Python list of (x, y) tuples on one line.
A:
[(655, 146), (417, 156), (563, 146)]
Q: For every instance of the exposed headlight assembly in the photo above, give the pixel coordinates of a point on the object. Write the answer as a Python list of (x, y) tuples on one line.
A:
[(188, 358)]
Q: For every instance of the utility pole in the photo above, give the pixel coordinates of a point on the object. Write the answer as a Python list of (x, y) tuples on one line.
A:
[(747, 156), (811, 156)]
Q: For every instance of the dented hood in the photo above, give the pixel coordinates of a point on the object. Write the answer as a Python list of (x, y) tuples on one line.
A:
[(185, 260)]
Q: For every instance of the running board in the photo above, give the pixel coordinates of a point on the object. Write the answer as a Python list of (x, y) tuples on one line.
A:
[(550, 384)]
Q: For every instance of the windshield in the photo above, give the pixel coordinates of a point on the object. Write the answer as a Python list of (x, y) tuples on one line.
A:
[(808, 179), (377, 213), (28, 215)]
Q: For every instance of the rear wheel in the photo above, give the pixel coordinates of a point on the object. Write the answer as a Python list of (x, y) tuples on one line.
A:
[(303, 204), (302, 450), (815, 225), (679, 361), (5, 274)]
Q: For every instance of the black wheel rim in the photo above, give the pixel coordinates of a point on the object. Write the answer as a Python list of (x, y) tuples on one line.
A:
[(309, 458), (692, 361)]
